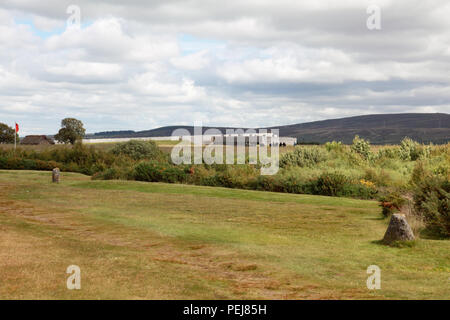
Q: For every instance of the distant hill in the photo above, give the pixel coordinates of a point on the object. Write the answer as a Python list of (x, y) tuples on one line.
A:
[(378, 128)]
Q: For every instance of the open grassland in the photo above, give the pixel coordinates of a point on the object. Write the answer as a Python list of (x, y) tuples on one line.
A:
[(136, 240)]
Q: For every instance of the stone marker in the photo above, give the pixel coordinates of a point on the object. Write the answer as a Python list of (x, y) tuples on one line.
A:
[(398, 229), (55, 175)]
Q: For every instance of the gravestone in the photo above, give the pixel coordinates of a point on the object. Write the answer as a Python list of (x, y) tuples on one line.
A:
[(398, 229), (55, 175)]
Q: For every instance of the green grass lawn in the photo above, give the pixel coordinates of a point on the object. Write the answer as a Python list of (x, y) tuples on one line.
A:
[(137, 240)]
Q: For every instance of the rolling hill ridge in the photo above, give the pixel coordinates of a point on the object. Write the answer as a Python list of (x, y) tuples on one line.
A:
[(378, 128)]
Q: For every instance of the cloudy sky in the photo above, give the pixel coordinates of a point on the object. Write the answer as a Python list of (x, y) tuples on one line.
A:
[(140, 64)]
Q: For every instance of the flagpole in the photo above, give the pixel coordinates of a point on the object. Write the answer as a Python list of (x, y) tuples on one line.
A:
[(15, 135)]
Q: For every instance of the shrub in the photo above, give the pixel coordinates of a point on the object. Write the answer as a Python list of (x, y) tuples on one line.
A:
[(388, 153), (330, 184), (432, 200), (391, 203), (27, 164), (378, 177), (154, 171), (303, 157), (236, 176), (360, 191), (361, 147), (200, 175), (138, 150), (411, 150), (269, 183), (334, 146), (113, 173), (340, 185)]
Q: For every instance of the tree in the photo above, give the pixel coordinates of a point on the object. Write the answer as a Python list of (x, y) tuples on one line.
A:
[(7, 134), (71, 131)]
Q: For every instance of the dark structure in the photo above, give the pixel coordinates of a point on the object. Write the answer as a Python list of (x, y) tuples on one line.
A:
[(35, 140)]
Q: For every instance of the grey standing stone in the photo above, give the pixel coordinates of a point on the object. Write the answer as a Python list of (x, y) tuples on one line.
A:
[(398, 229), (55, 175)]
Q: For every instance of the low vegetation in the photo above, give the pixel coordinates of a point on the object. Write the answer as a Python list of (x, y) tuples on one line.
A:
[(432, 199)]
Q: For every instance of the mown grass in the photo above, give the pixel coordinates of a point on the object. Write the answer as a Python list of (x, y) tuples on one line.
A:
[(167, 241)]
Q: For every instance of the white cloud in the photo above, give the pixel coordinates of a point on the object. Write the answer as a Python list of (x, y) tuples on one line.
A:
[(86, 70), (143, 64), (195, 61)]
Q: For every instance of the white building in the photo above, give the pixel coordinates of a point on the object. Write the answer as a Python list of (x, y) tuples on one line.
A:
[(247, 138)]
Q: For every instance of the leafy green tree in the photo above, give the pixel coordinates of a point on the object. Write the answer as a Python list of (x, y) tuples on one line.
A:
[(7, 134), (71, 131)]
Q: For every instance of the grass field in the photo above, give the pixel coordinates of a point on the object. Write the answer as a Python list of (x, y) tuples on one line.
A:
[(137, 240)]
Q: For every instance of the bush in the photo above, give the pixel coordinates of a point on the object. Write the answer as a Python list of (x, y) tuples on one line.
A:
[(378, 177), (334, 146), (361, 147), (153, 171), (138, 150), (338, 184), (27, 164), (432, 200), (330, 184), (388, 153), (360, 191), (269, 183), (391, 203), (200, 175), (303, 157), (77, 158), (411, 150), (113, 173)]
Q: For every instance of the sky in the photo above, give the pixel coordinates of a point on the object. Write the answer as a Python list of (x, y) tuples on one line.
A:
[(138, 65)]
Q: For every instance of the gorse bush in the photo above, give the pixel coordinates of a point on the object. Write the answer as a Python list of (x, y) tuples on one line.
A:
[(432, 199), (411, 150), (334, 146), (388, 153), (331, 184), (303, 157), (361, 147), (138, 150), (378, 176)]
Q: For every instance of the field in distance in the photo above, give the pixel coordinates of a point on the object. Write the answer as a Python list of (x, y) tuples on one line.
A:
[(135, 240)]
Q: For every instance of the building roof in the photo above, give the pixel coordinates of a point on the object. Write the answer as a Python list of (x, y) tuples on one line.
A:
[(36, 139)]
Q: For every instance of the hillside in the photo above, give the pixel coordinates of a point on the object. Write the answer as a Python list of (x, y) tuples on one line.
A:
[(379, 129)]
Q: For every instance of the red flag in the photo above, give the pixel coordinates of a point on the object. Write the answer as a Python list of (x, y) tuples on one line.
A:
[(17, 128)]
